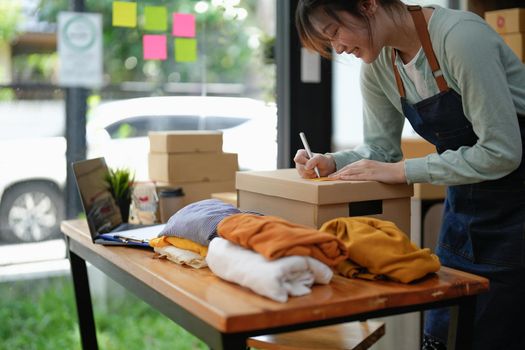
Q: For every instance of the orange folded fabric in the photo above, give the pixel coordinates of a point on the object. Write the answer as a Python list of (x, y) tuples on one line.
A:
[(380, 247), (274, 237)]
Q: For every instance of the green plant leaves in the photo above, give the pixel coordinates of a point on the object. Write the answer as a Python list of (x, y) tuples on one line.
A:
[(119, 182)]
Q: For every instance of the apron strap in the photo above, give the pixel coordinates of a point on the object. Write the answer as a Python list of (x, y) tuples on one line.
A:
[(424, 38), (399, 82)]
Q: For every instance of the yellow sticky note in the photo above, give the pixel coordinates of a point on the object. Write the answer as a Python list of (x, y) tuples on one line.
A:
[(325, 178), (125, 14), (185, 50)]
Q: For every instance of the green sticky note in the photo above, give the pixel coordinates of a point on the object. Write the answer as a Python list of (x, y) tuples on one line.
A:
[(156, 18), (125, 14), (185, 50)]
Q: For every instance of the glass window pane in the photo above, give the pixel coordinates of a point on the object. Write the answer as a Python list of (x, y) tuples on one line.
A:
[(231, 71)]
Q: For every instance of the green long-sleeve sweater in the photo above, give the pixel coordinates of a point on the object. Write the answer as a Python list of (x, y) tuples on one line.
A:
[(478, 65)]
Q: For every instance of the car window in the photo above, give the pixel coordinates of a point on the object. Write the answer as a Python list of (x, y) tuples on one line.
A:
[(218, 123), (140, 126)]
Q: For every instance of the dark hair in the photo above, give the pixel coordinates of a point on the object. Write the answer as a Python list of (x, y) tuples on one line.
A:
[(313, 39)]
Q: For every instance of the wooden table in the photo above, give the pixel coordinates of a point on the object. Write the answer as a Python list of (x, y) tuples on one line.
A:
[(224, 315)]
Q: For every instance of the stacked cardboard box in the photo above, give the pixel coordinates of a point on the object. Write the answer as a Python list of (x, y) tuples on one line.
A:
[(192, 160), (510, 23)]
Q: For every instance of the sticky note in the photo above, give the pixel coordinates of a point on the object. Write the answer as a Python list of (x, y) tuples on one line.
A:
[(125, 14), (155, 18), (184, 25), (185, 50), (155, 47)]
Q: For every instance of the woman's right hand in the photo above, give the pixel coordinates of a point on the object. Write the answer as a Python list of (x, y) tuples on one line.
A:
[(305, 166)]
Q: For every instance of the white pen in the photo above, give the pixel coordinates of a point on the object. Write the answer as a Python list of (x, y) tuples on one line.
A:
[(307, 148)]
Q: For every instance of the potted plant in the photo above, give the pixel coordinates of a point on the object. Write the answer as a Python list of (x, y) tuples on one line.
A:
[(120, 182)]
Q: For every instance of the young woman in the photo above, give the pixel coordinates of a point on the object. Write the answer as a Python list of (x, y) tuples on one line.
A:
[(463, 90)]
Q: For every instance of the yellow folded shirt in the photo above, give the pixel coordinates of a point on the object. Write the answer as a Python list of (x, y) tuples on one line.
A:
[(181, 243), (380, 247)]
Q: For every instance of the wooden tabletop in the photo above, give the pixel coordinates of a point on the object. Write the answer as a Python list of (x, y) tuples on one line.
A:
[(232, 308)]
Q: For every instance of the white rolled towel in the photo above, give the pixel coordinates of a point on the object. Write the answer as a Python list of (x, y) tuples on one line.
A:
[(276, 279)]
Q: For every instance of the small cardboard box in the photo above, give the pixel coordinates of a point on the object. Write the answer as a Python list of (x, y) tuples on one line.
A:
[(516, 42), (285, 194), (227, 197), (416, 148), (185, 141), (506, 20), (197, 191), (192, 167)]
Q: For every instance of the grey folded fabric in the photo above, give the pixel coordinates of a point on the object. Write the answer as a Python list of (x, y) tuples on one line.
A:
[(198, 221)]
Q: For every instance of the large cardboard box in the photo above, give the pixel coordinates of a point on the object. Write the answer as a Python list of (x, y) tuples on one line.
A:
[(416, 148), (185, 141), (516, 42), (192, 167), (506, 20), (285, 194)]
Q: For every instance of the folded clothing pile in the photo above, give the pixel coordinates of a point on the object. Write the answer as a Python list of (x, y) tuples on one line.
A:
[(379, 249), (277, 258)]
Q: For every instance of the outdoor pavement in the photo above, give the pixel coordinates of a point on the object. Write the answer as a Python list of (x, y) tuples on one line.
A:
[(33, 260)]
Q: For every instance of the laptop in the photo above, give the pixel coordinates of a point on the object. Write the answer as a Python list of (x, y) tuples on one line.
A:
[(102, 212)]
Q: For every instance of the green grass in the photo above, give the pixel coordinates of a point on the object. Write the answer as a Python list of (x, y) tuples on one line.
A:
[(41, 314)]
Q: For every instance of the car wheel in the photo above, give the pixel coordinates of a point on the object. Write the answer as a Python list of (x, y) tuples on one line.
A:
[(31, 212)]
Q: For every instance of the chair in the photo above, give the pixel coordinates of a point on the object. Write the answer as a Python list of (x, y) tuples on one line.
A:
[(346, 336)]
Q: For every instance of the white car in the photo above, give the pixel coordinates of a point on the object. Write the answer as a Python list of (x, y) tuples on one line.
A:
[(118, 130), (34, 169)]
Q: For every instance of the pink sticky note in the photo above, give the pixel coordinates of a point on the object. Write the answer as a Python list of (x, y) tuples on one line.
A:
[(183, 25), (155, 47)]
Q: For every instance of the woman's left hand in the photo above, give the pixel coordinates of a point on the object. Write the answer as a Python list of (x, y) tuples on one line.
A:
[(390, 173)]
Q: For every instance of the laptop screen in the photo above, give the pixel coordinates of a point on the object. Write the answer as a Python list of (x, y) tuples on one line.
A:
[(101, 210)]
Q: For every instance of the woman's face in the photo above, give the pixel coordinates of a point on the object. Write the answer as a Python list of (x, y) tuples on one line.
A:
[(349, 35)]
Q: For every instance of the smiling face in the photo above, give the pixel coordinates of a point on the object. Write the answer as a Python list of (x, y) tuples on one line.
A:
[(347, 33)]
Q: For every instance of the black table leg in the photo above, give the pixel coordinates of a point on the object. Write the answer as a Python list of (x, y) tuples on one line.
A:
[(233, 342), (461, 330), (86, 321)]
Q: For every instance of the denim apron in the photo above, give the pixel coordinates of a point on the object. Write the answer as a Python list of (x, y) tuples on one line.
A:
[(483, 223)]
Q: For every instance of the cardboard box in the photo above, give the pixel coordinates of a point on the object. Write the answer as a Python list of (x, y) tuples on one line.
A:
[(185, 141), (283, 193), (516, 42), (197, 191), (192, 167), (506, 20), (429, 191), (227, 197), (416, 148)]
